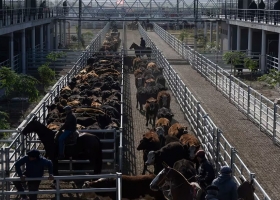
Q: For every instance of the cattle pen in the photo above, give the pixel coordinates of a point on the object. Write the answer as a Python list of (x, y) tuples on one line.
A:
[(218, 149)]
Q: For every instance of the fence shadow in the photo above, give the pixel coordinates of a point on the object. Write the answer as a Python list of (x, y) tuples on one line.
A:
[(129, 156)]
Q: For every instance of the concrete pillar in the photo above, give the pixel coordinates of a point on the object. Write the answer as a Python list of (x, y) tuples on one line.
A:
[(48, 43), (55, 34), (12, 50), (205, 29), (217, 35), (263, 51), (229, 37), (250, 34), (60, 29), (238, 42), (42, 38), (211, 32), (64, 32), (23, 52), (279, 52), (33, 50)]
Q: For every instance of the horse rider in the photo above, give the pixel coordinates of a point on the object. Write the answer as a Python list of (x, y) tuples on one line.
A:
[(35, 164), (212, 192), (206, 173), (142, 43), (69, 127), (227, 186)]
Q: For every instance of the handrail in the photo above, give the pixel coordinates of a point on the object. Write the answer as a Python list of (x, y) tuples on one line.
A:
[(218, 150)]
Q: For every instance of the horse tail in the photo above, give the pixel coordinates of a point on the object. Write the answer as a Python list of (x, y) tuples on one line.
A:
[(98, 158)]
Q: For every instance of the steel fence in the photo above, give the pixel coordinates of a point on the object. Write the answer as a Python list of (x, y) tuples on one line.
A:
[(6, 192), (271, 62), (18, 144), (218, 149), (253, 104)]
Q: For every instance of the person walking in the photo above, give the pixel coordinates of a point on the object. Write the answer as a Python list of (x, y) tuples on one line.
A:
[(69, 128), (227, 186), (35, 164)]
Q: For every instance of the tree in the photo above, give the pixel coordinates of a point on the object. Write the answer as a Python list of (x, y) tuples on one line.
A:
[(4, 124), (25, 86), (184, 34), (272, 78), (233, 58), (8, 78), (47, 75)]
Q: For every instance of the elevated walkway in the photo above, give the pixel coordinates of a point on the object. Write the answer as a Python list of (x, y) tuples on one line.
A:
[(254, 147)]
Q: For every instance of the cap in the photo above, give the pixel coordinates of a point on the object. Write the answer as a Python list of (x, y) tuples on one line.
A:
[(33, 153), (141, 38), (225, 170), (67, 108), (200, 153), (212, 187)]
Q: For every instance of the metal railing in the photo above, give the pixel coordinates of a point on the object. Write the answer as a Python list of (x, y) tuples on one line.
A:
[(17, 146), (271, 62), (20, 15), (58, 191), (254, 105), (218, 149)]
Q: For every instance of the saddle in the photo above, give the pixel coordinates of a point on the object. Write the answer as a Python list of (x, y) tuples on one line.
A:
[(70, 140)]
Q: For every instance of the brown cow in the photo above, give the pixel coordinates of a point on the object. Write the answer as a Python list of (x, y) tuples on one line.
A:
[(165, 123), (74, 103), (192, 142), (151, 107), (150, 82), (177, 130), (132, 187), (149, 142), (151, 65), (163, 99)]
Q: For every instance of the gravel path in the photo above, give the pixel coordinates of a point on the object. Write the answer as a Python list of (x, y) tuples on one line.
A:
[(254, 147)]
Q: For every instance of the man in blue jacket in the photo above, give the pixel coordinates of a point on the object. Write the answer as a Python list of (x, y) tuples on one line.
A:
[(35, 164), (227, 186)]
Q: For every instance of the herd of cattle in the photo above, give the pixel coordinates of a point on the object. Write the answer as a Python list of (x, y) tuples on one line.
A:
[(165, 142), (112, 41)]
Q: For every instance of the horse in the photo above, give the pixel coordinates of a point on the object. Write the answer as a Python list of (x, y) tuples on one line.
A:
[(180, 188), (139, 51), (88, 146), (246, 189)]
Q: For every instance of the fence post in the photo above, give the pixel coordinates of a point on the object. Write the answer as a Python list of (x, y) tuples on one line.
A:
[(197, 115), (7, 161), (57, 189), (216, 74), (120, 153), (232, 158), (248, 101), (119, 184), (218, 132), (229, 90), (44, 112), (252, 176), (274, 122)]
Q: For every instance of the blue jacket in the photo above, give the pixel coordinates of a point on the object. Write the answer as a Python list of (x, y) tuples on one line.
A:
[(227, 187), (34, 168)]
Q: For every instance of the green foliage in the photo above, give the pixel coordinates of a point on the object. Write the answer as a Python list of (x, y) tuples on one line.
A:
[(8, 78), (26, 86), (272, 78), (4, 124), (53, 56), (184, 34), (250, 64), (74, 38), (233, 57), (212, 46), (47, 75)]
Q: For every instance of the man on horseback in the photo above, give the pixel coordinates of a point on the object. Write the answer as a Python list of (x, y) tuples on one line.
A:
[(69, 128), (206, 173), (143, 43)]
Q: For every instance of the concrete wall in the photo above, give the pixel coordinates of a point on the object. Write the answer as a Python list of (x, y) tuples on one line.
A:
[(224, 36)]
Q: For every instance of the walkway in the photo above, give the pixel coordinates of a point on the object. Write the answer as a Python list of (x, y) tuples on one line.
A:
[(254, 147)]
